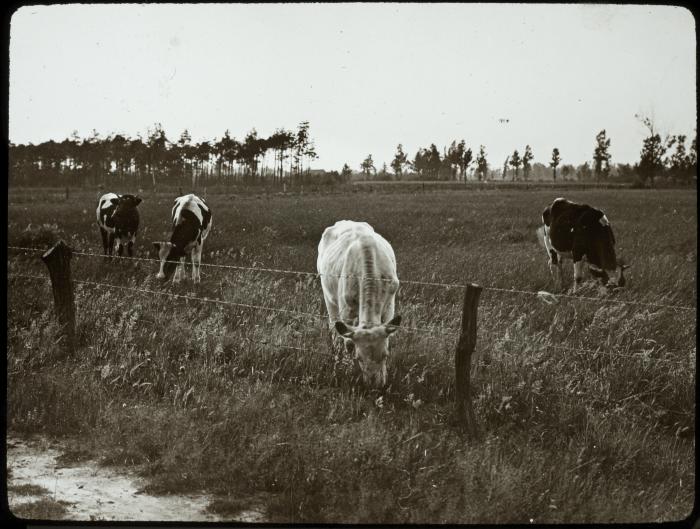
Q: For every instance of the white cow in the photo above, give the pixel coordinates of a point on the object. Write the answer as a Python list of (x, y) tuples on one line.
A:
[(358, 275)]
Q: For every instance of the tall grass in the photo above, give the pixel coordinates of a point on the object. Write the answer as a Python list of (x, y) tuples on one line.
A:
[(202, 396)]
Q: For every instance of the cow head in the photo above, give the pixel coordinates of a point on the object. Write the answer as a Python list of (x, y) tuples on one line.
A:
[(595, 230), (169, 254), (617, 278), (125, 204), (371, 348)]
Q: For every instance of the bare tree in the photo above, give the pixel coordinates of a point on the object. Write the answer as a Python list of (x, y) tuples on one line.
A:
[(601, 156), (555, 162), (482, 165), (527, 158), (653, 150)]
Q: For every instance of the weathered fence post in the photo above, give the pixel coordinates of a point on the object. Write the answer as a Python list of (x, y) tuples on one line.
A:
[(463, 359), (57, 260)]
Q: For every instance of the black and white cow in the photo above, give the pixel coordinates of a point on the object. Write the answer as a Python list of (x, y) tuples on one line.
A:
[(191, 224), (577, 231), (118, 220)]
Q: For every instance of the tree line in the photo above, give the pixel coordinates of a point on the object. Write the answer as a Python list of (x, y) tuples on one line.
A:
[(154, 159), (285, 156), (666, 158)]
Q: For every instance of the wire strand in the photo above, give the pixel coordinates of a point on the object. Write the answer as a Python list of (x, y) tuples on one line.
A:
[(403, 281), (442, 330)]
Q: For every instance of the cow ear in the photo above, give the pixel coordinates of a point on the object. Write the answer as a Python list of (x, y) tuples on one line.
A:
[(393, 325), (137, 200), (344, 330)]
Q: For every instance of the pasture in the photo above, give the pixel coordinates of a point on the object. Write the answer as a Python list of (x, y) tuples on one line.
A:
[(586, 408)]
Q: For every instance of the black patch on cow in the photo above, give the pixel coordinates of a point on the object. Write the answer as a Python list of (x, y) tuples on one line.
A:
[(126, 217), (576, 228), (123, 217), (187, 231), (600, 274), (206, 216), (171, 261)]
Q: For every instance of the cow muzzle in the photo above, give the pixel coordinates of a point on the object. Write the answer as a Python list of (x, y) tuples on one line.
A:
[(375, 379), (617, 278)]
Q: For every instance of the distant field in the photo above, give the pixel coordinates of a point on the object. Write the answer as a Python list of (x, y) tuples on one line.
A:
[(489, 184), (586, 407)]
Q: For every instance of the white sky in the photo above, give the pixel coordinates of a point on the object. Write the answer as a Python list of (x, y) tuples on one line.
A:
[(366, 76)]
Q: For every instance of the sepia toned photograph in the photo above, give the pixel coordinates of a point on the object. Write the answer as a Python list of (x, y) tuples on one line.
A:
[(354, 263)]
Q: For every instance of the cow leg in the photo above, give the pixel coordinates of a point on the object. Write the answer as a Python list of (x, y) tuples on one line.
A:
[(332, 309), (196, 262), (120, 246), (179, 271), (103, 233), (555, 269), (130, 245), (578, 274), (348, 314), (333, 315), (110, 244)]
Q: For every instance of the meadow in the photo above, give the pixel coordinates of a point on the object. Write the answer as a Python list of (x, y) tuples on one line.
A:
[(586, 408)]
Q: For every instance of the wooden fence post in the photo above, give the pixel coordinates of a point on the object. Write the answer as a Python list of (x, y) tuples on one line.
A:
[(463, 359), (57, 260)]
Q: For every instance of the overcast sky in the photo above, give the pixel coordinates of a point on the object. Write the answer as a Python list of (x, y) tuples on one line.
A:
[(366, 76)]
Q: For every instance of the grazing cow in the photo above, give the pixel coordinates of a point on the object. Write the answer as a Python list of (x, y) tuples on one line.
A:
[(358, 275), (191, 224), (578, 231), (118, 220)]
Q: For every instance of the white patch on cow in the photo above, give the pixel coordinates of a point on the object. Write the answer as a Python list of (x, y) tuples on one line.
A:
[(104, 203), (190, 202), (604, 221), (163, 250)]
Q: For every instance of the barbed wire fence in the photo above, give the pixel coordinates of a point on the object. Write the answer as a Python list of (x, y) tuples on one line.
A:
[(403, 281), (61, 254)]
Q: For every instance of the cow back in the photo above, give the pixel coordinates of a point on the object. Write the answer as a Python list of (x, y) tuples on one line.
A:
[(191, 218)]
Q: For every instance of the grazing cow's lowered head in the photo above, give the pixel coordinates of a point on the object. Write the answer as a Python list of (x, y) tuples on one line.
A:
[(579, 231), (192, 220), (371, 345), (169, 256), (358, 275), (118, 220)]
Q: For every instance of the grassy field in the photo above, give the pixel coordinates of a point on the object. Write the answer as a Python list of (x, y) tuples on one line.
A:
[(201, 396)]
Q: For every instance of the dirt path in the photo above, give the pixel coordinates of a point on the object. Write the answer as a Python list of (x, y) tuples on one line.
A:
[(91, 492)]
